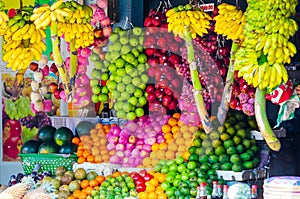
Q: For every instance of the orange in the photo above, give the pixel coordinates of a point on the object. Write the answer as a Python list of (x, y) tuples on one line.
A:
[(103, 141), (175, 129), (193, 129), (186, 155), (98, 159), (163, 145), (159, 190), (84, 184), (85, 153), (168, 135), (160, 177), (162, 196), (143, 195), (79, 152), (93, 131), (154, 182), (172, 121), (152, 195), (147, 161), (176, 115), (105, 157), (99, 126), (93, 183), (170, 155), (81, 160), (116, 174), (70, 197), (155, 147), (82, 195), (76, 140), (88, 190), (76, 193), (166, 128), (150, 188), (90, 158), (100, 179)]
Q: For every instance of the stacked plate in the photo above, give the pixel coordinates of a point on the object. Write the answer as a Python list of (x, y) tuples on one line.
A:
[(282, 187)]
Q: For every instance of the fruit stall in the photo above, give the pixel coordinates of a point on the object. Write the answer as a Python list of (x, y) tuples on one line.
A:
[(149, 99)]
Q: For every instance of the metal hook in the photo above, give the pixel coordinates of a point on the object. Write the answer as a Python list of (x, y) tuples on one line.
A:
[(126, 22), (160, 4), (169, 4)]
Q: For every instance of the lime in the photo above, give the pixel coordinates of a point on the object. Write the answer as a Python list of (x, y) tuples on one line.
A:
[(228, 143), (235, 159), (200, 151), (193, 157), (241, 133), (246, 143), (245, 157), (216, 166), (192, 149), (197, 142), (255, 161), (236, 139), (213, 159), (250, 152), (237, 167), (209, 151), (223, 158), (240, 148), (248, 165), (205, 167), (220, 150), (226, 166), (206, 143), (231, 150), (221, 129), (231, 131), (203, 135), (214, 135), (216, 143), (203, 159), (237, 126), (224, 136), (254, 148)]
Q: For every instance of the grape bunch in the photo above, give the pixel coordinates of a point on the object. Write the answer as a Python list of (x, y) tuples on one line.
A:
[(18, 109), (38, 120)]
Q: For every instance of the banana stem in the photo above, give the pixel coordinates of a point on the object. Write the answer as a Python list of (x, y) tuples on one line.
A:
[(224, 105), (73, 66), (262, 120), (58, 60), (207, 126)]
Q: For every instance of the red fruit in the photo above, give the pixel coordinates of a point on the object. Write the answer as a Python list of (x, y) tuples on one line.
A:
[(141, 187), (153, 30), (11, 12), (163, 28), (53, 68), (148, 176), (161, 42), (224, 51), (176, 82), (150, 41), (12, 128), (33, 66), (251, 92), (53, 87), (174, 47), (235, 90), (168, 91), (143, 173), (152, 12), (223, 71), (150, 89), (156, 21), (226, 61), (151, 97), (150, 51), (244, 87), (147, 22), (236, 75), (166, 100), (153, 61), (10, 147), (172, 105), (162, 58), (56, 94), (163, 83), (174, 59), (98, 33), (234, 103), (159, 94)]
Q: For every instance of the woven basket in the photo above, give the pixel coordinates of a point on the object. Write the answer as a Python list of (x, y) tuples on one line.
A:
[(48, 162)]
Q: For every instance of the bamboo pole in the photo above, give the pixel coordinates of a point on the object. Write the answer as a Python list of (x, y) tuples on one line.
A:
[(73, 66)]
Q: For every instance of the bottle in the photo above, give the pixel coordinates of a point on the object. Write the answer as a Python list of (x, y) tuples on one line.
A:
[(12, 180), (113, 117), (105, 114), (201, 193), (253, 194), (220, 191), (225, 191), (214, 194)]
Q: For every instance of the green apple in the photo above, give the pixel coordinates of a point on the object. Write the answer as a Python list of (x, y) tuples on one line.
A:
[(115, 94), (96, 74), (142, 58), (137, 31), (112, 67), (133, 41), (94, 57), (123, 33), (117, 78), (103, 97), (120, 62), (110, 48), (145, 78), (118, 105), (111, 85), (104, 90), (121, 114), (142, 101), (115, 55), (117, 46), (141, 68), (141, 41), (134, 73), (127, 107), (95, 98), (96, 89), (99, 65), (131, 115), (118, 29), (136, 81), (94, 82), (121, 87), (129, 57), (142, 86), (133, 100), (113, 37), (130, 88), (108, 56), (104, 76), (125, 49), (121, 72), (138, 93), (126, 79), (135, 52), (139, 112), (128, 68), (125, 95), (140, 48), (135, 62), (124, 40)]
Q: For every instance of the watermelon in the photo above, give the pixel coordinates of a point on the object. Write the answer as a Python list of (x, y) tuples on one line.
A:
[(84, 127), (48, 147), (68, 148), (30, 146), (46, 133), (63, 135)]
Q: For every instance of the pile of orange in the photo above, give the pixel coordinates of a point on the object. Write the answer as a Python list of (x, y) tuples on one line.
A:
[(92, 148), (178, 138), (153, 187)]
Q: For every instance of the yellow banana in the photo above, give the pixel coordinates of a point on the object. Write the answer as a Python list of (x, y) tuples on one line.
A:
[(292, 47), (37, 54), (7, 55), (41, 9), (285, 75), (33, 38), (56, 5)]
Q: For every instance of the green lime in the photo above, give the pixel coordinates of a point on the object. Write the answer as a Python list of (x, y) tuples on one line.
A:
[(203, 135), (223, 158), (197, 142), (235, 159), (228, 143), (237, 167), (209, 151), (240, 148), (200, 151), (214, 135), (241, 133), (246, 143), (245, 157), (220, 150), (205, 167), (224, 136), (206, 143), (216, 166), (248, 165), (231, 150), (250, 152), (255, 161), (231, 131), (216, 143), (203, 159), (192, 149), (221, 129), (254, 148), (193, 157), (236, 139), (213, 159), (226, 166)]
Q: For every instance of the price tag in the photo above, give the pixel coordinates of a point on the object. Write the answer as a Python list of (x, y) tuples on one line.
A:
[(207, 7)]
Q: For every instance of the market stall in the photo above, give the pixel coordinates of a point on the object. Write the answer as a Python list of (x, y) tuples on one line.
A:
[(192, 100)]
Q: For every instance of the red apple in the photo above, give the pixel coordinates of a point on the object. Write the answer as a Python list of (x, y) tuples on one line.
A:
[(159, 93), (57, 94), (53, 87), (12, 128), (150, 51), (53, 68), (98, 33), (150, 89), (166, 100), (33, 66), (172, 105)]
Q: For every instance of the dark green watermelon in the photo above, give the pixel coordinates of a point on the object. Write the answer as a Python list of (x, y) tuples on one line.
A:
[(84, 127), (68, 148), (48, 147), (46, 133), (63, 135), (31, 146)]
